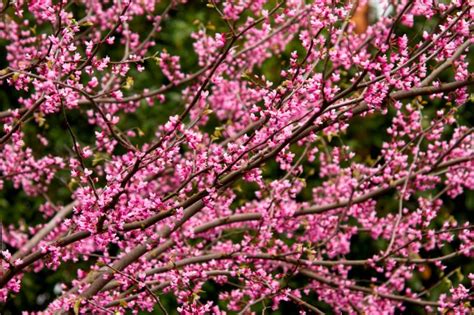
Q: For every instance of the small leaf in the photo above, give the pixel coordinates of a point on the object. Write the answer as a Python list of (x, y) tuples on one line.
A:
[(123, 303), (207, 110), (39, 118), (196, 297), (217, 133), (211, 26), (72, 184), (459, 274), (98, 157), (128, 83), (77, 305), (87, 23), (238, 188)]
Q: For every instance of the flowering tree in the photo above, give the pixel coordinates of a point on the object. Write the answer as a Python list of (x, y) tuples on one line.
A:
[(241, 168)]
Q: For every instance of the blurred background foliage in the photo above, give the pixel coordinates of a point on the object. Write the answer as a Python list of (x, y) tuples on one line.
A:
[(364, 136)]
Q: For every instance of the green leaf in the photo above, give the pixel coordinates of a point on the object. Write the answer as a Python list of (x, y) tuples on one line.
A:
[(77, 305)]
